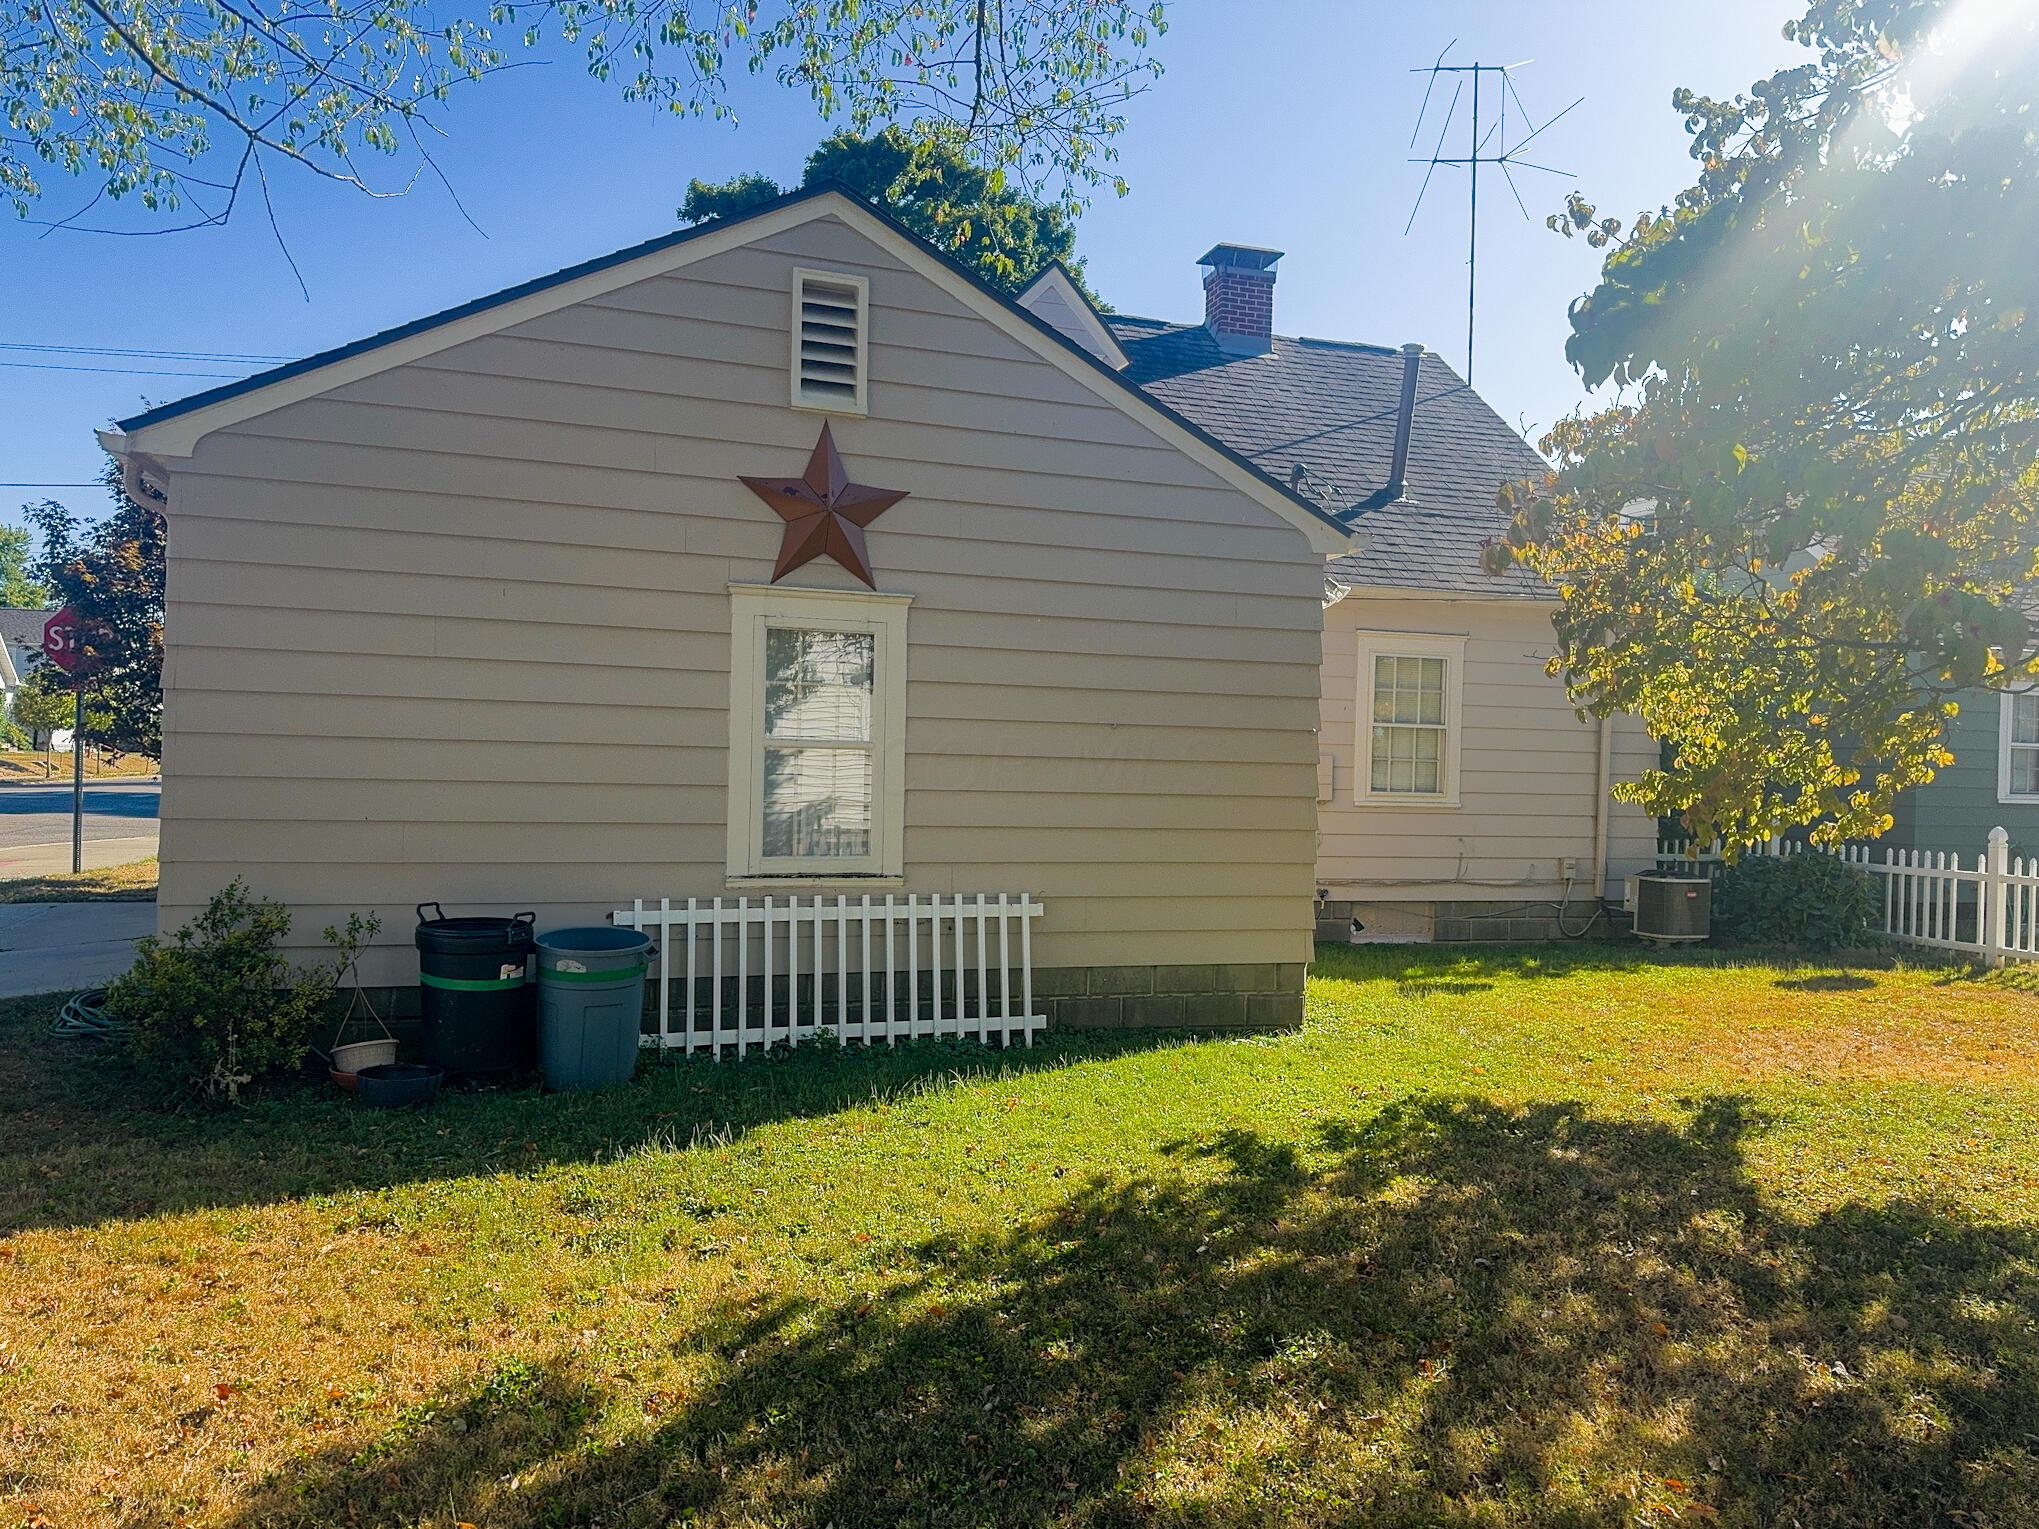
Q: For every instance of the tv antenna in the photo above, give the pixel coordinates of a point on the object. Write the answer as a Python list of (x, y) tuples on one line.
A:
[(1507, 157)]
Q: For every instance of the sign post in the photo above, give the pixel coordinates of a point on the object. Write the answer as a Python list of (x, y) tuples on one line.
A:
[(64, 637), (78, 780)]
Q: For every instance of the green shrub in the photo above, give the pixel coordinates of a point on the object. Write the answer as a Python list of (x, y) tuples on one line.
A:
[(216, 1006), (1807, 901)]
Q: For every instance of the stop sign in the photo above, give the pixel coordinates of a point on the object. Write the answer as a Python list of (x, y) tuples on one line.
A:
[(64, 637)]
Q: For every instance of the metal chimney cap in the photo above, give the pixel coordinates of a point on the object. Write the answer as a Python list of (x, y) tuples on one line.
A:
[(1251, 257)]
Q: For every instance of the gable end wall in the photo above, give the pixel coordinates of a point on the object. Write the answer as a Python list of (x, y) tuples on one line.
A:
[(460, 631)]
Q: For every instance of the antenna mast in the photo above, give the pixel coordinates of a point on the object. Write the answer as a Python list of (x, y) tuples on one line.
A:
[(1507, 157)]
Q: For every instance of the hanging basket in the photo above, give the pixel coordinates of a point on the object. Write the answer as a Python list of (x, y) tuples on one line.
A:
[(345, 1064), (348, 1060)]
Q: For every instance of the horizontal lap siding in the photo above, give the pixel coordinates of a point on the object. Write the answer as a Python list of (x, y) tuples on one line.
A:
[(1527, 771), (1961, 804), (460, 631)]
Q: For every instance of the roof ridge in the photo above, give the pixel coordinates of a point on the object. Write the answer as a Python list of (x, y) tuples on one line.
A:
[(1371, 347)]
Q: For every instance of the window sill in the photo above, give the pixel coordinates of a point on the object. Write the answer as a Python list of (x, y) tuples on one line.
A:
[(1428, 803), (802, 881), (2005, 799)]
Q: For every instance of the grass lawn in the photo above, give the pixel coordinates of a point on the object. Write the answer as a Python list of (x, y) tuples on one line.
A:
[(134, 882), (1550, 1237), (42, 764)]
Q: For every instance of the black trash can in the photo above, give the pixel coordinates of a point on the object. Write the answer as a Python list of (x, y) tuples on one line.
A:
[(472, 990)]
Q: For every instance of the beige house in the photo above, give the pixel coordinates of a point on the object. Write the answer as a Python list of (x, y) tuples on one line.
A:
[(782, 563), (1459, 794), (557, 601)]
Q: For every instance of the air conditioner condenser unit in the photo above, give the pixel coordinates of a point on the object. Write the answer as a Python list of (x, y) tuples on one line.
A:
[(1673, 909)]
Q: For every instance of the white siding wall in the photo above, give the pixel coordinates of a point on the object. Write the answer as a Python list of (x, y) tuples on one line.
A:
[(460, 631), (1527, 768)]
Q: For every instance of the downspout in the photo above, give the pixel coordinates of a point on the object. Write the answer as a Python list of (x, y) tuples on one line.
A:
[(1603, 785), (131, 481), (150, 492)]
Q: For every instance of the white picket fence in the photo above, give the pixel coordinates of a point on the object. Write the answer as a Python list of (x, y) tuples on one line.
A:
[(745, 974), (1987, 908)]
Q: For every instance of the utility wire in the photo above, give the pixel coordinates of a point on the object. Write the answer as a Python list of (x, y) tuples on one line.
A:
[(132, 350), (123, 371)]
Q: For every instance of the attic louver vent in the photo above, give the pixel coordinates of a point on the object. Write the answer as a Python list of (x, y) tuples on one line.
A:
[(828, 341)]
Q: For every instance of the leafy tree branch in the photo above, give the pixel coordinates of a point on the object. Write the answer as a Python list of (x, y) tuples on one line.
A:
[(928, 183), (1812, 528), (112, 573), (175, 103)]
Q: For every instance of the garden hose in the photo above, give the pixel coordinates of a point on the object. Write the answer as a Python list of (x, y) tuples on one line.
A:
[(85, 1019)]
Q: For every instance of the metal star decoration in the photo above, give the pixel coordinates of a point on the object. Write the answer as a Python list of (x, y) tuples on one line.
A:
[(824, 512)]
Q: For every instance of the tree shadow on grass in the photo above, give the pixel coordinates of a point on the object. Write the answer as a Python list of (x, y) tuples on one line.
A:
[(1473, 967), (1451, 1313), (75, 1150), (1828, 982)]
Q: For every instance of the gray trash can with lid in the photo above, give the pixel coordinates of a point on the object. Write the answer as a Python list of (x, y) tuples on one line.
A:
[(590, 1005)]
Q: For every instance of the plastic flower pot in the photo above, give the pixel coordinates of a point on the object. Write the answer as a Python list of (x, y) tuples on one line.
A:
[(397, 1085)]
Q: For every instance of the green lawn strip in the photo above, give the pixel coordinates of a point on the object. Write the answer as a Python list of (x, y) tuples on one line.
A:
[(46, 768), (1530, 1237), (134, 882)]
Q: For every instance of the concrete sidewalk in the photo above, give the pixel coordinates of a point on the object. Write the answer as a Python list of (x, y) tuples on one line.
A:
[(62, 947)]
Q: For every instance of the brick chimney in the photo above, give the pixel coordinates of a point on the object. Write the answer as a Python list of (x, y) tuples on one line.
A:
[(1239, 297)]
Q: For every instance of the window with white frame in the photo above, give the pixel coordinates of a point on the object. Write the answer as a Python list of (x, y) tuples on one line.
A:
[(2018, 748), (1409, 719), (829, 341), (817, 742)]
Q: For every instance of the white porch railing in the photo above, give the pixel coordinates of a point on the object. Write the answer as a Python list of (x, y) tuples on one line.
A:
[(1987, 908), (744, 973)]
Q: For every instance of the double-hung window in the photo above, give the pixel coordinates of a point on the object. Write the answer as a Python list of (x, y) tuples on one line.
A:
[(1409, 719), (817, 712), (2018, 748)]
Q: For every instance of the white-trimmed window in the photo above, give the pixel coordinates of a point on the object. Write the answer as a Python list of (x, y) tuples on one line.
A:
[(1410, 716), (817, 733), (830, 341), (2018, 747)]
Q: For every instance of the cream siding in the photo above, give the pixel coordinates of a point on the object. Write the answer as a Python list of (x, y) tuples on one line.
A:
[(1527, 768), (1055, 301), (460, 630), (1053, 309)]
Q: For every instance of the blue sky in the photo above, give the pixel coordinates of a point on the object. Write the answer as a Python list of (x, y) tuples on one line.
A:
[(1278, 122)]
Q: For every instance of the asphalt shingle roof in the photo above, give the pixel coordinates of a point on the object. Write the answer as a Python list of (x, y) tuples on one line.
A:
[(1330, 407), (21, 625)]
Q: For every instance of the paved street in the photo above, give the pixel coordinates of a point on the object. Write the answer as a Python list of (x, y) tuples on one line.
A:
[(35, 826)]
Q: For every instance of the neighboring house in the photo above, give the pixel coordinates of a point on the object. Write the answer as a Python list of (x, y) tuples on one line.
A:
[(1460, 796), (20, 646), (487, 609), (1994, 781)]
